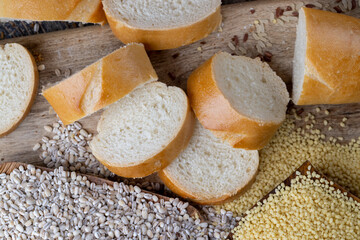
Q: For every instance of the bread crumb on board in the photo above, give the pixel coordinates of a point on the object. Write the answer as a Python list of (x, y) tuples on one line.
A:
[(311, 208), (288, 149)]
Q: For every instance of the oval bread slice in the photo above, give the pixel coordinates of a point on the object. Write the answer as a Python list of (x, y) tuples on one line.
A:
[(86, 11), (326, 61), (209, 171), (143, 132), (162, 24), (19, 82), (101, 83), (240, 99)]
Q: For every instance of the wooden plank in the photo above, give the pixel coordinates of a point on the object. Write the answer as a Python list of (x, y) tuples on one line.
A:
[(10, 166), (76, 48), (303, 169)]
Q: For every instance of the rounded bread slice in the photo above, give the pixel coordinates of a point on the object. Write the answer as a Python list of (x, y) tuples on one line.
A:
[(101, 83), (19, 82), (143, 132), (209, 171), (240, 99), (162, 24), (86, 11), (326, 66)]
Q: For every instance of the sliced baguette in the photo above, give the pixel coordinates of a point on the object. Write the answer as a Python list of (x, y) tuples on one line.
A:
[(19, 82), (240, 99), (101, 83), (86, 11), (209, 171), (162, 24), (326, 64), (143, 132)]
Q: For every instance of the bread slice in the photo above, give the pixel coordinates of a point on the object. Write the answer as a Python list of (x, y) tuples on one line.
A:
[(209, 171), (86, 11), (326, 66), (163, 24), (143, 132), (101, 83), (19, 82), (240, 99)]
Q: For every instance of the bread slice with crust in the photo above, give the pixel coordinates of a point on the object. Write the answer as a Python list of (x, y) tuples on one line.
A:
[(86, 11), (162, 24), (209, 171), (326, 67), (145, 131), (240, 99), (19, 81), (101, 83)]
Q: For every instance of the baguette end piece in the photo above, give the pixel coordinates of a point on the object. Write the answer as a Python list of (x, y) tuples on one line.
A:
[(84, 11), (101, 84), (326, 66)]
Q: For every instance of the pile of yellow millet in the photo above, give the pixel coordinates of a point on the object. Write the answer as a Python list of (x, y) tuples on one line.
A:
[(288, 150), (309, 209)]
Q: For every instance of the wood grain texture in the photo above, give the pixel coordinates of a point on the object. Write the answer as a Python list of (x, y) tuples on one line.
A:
[(76, 48), (303, 169), (10, 166)]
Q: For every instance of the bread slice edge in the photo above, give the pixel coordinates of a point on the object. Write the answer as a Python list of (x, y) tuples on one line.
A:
[(159, 161), (215, 112), (31, 101), (162, 39)]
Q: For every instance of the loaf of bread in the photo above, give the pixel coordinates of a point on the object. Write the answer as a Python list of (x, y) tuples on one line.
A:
[(101, 83), (18, 85), (327, 58), (145, 131), (53, 10), (162, 24), (240, 99), (209, 171)]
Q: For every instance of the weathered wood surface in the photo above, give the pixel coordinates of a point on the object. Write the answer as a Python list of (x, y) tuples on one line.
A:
[(303, 169), (76, 48), (10, 166)]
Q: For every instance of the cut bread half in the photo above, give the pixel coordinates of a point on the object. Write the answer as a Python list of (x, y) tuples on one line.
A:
[(326, 66), (209, 171), (86, 11), (19, 82), (143, 132), (162, 24), (101, 83), (240, 99)]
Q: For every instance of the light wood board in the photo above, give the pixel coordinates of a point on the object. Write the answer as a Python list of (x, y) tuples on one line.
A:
[(75, 49)]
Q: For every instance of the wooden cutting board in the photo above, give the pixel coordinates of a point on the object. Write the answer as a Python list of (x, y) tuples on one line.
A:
[(75, 49)]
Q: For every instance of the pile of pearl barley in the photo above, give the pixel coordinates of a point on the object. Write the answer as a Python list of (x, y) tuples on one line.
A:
[(311, 208), (64, 205), (69, 147)]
